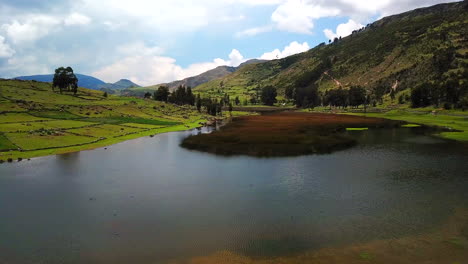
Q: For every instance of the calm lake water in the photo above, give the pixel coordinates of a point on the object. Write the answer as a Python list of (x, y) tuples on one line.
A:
[(150, 201)]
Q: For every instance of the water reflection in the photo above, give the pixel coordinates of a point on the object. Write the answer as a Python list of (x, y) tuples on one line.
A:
[(150, 201)]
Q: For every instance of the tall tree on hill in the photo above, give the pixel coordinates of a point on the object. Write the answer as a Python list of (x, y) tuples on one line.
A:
[(65, 79), (268, 95), (199, 103), (189, 97), (161, 94)]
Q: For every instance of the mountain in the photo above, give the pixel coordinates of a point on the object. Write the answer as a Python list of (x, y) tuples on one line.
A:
[(83, 80), (120, 85), (388, 57), (207, 76)]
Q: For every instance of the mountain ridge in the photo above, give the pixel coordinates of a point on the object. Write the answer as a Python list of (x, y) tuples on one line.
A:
[(395, 53), (85, 81)]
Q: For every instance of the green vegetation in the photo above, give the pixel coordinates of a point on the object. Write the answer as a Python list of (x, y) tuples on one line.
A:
[(365, 256), (357, 128), (37, 121), (450, 121), (411, 125)]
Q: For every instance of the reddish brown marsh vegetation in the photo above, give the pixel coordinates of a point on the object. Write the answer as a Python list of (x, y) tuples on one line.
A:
[(282, 134)]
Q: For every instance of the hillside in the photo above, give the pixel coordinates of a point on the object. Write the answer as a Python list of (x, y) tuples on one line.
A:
[(83, 80), (393, 54), (194, 81), (213, 74), (35, 121)]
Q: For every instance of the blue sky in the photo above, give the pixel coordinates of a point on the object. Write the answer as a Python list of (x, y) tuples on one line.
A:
[(151, 42)]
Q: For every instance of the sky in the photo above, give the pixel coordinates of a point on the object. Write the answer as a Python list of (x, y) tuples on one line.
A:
[(156, 41)]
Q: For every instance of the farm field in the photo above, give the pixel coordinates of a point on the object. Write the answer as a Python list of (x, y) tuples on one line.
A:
[(37, 121)]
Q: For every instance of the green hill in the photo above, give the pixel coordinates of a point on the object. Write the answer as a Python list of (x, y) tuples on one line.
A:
[(392, 55), (35, 121)]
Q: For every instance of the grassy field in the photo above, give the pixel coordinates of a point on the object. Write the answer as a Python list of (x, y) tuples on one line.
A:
[(450, 120), (36, 121)]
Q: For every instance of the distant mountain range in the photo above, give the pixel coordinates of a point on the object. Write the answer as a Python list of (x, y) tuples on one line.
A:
[(207, 76), (84, 81), (216, 73)]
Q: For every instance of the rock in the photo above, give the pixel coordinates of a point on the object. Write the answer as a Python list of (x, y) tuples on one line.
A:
[(1, 161), (10, 160), (20, 159), (151, 135)]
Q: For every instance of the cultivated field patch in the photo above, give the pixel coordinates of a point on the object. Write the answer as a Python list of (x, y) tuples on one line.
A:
[(32, 126), (5, 143), (105, 131), (19, 117), (143, 126), (28, 141)]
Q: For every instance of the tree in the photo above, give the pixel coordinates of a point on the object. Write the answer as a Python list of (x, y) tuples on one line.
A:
[(336, 97), (199, 103), (105, 94), (356, 96), (289, 92), (162, 94), (65, 79), (237, 101), (421, 95), (189, 97), (307, 97), (268, 95), (230, 108), (147, 95)]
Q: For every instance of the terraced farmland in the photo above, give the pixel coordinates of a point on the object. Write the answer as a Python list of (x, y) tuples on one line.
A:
[(37, 121)]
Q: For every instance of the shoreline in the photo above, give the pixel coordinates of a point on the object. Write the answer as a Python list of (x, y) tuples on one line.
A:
[(15, 155)]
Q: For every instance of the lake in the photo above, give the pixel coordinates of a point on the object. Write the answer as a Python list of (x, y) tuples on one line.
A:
[(150, 201)]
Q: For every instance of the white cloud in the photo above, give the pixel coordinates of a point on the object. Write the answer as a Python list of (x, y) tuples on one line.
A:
[(33, 28), (253, 31), (138, 47), (343, 30), (77, 19), (297, 15), (293, 48), (26, 65), (147, 68), (5, 50)]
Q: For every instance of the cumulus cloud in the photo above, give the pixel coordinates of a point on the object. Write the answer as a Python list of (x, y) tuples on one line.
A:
[(293, 48), (343, 30), (77, 19), (5, 50), (147, 68), (297, 15), (33, 28)]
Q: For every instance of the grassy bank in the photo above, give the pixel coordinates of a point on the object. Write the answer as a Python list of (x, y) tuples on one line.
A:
[(283, 134), (450, 120), (37, 121)]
